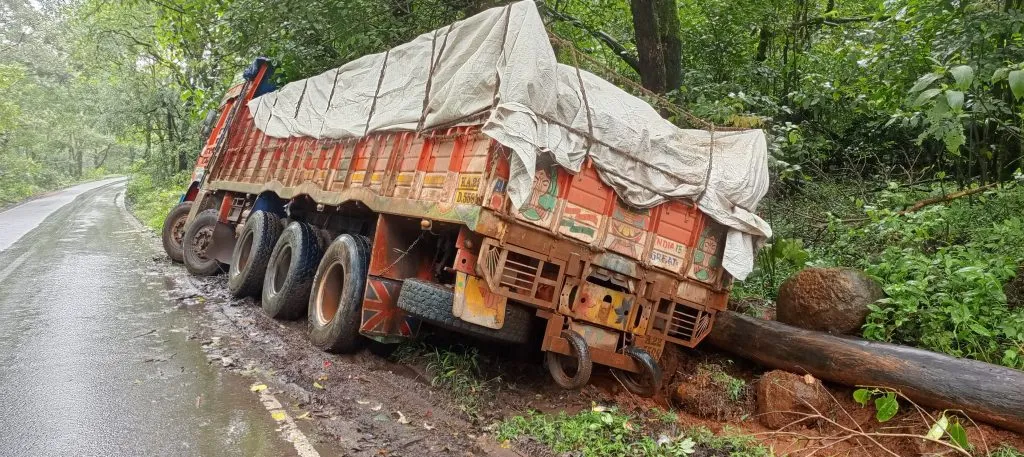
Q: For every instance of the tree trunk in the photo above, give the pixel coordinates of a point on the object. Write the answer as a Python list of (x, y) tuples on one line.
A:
[(648, 44), (671, 42), (76, 155), (100, 158), (149, 138), (985, 392), (764, 38)]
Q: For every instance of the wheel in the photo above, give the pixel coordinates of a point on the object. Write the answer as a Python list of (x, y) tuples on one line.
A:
[(432, 303), (174, 230), (252, 254), (647, 383), (336, 304), (290, 271), (580, 354), (197, 239)]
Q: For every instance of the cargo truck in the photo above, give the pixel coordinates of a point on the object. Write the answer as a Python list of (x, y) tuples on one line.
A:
[(372, 229)]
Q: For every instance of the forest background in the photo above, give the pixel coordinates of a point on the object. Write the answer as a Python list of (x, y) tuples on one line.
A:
[(870, 106)]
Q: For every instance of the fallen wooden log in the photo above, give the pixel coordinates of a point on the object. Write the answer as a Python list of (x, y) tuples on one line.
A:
[(985, 392)]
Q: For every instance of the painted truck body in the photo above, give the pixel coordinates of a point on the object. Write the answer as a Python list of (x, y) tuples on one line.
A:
[(434, 205)]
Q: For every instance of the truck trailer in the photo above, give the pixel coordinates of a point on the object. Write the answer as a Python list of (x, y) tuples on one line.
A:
[(468, 181)]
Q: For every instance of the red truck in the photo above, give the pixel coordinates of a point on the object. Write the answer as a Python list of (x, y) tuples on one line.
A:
[(370, 236)]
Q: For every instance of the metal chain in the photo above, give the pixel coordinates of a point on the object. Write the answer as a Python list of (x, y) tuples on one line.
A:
[(404, 253)]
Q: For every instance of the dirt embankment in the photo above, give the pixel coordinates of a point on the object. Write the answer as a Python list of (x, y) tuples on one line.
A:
[(375, 404)]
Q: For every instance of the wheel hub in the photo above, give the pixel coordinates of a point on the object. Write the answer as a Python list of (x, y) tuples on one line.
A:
[(329, 294), (201, 242), (281, 266), (178, 230)]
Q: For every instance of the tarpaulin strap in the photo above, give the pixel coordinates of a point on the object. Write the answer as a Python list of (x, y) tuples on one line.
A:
[(711, 158), (586, 105), (302, 97), (330, 99), (611, 148), (380, 81), (497, 72), (430, 75)]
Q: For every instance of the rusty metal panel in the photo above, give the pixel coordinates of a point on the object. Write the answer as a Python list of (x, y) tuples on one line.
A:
[(521, 274), (598, 304), (597, 337), (653, 344), (681, 322), (398, 250), (475, 304)]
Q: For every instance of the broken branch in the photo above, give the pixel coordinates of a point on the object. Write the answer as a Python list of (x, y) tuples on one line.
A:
[(618, 48), (946, 198)]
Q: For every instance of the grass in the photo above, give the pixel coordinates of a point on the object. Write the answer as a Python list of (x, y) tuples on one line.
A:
[(604, 431), (454, 370), (1006, 451), (151, 200), (734, 388)]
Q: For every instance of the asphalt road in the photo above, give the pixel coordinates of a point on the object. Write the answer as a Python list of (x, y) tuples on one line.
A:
[(94, 356)]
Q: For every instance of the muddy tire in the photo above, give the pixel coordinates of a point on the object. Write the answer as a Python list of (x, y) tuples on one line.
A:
[(432, 303), (647, 383), (290, 271), (195, 243), (252, 254), (580, 354), (173, 232), (336, 303)]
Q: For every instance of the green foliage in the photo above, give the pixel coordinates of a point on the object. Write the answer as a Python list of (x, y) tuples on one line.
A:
[(151, 200), (734, 388), (1007, 451), (729, 442), (886, 406), (774, 263), (22, 177), (603, 431), (454, 370), (944, 269)]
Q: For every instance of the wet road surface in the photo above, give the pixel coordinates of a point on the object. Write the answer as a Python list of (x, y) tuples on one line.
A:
[(95, 358), (19, 220)]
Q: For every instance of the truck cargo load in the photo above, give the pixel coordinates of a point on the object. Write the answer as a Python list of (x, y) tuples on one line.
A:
[(469, 182)]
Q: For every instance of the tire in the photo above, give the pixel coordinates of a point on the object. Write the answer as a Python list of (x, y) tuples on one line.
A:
[(174, 231), (336, 303), (290, 271), (252, 254), (581, 354), (647, 383), (197, 239), (432, 303)]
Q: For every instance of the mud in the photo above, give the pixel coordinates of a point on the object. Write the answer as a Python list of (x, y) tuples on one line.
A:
[(372, 404), (361, 400)]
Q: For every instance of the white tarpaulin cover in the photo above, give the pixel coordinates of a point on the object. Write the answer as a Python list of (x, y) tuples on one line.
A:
[(499, 67)]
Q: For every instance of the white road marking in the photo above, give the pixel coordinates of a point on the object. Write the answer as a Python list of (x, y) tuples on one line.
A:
[(289, 429)]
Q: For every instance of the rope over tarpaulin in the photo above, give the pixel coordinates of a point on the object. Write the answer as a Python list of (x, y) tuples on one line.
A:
[(499, 68)]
